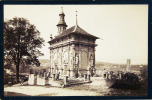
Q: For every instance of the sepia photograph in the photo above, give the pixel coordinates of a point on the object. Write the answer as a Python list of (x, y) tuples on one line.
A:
[(76, 50)]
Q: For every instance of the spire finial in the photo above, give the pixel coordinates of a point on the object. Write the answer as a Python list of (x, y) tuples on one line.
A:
[(61, 9), (76, 17), (76, 22)]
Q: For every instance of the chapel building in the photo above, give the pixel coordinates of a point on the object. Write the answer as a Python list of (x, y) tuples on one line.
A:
[(72, 51)]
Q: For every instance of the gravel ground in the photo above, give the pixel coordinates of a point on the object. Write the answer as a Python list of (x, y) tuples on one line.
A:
[(47, 91), (98, 87), (52, 91)]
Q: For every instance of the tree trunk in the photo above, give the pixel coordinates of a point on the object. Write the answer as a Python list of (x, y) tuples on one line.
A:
[(18, 59), (18, 66), (17, 73)]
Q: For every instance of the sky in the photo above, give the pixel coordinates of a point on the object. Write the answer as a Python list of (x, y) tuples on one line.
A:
[(122, 29)]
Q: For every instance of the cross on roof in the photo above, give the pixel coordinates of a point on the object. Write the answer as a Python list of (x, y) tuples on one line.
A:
[(76, 12), (62, 9), (76, 17)]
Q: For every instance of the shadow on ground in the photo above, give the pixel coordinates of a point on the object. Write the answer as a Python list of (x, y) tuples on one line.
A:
[(14, 94)]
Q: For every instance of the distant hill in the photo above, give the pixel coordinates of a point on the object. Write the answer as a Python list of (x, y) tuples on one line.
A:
[(44, 62), (100, 65), (115, 66)]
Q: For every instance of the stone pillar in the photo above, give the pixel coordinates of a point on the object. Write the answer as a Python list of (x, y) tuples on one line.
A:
[(71, 72), (31, 79), (85, 77), (65, 80), (94, 71), (88, 69), (52, 72), (76, 73), (50, 80), (57, 69), (49, 70), (37, 82), (68, 73), (88, 78), (79, 73), (94, 60), (35, 78), (41, 79), (51, 60), (53, 77), (62, 71)]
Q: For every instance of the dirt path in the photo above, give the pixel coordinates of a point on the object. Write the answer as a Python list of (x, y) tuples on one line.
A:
[(98, 87), (54, 91), (48, 91)]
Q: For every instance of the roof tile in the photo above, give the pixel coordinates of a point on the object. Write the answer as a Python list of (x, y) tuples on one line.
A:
[(74, 29)]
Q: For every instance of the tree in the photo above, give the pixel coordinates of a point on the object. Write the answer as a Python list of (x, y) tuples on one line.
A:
[(21, 43)]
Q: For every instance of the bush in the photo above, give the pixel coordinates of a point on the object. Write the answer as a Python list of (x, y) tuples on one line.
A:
[(144, 75)]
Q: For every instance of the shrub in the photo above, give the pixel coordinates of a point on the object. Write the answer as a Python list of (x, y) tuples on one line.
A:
[(144, 75)]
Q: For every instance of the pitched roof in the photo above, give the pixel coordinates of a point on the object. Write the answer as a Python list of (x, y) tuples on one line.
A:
[(77, 30)]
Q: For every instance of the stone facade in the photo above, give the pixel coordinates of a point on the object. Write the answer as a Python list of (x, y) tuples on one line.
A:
[(72, 51)]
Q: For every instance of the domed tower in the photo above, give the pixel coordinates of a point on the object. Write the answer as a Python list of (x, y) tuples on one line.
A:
[(61, 24)]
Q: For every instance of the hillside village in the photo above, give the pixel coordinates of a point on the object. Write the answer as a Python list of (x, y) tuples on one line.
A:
[(100, 66)]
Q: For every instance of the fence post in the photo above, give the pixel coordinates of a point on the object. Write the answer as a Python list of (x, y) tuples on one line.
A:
[(85, 77)]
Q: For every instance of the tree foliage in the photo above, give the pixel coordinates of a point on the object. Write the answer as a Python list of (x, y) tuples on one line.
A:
[(21, 43)]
